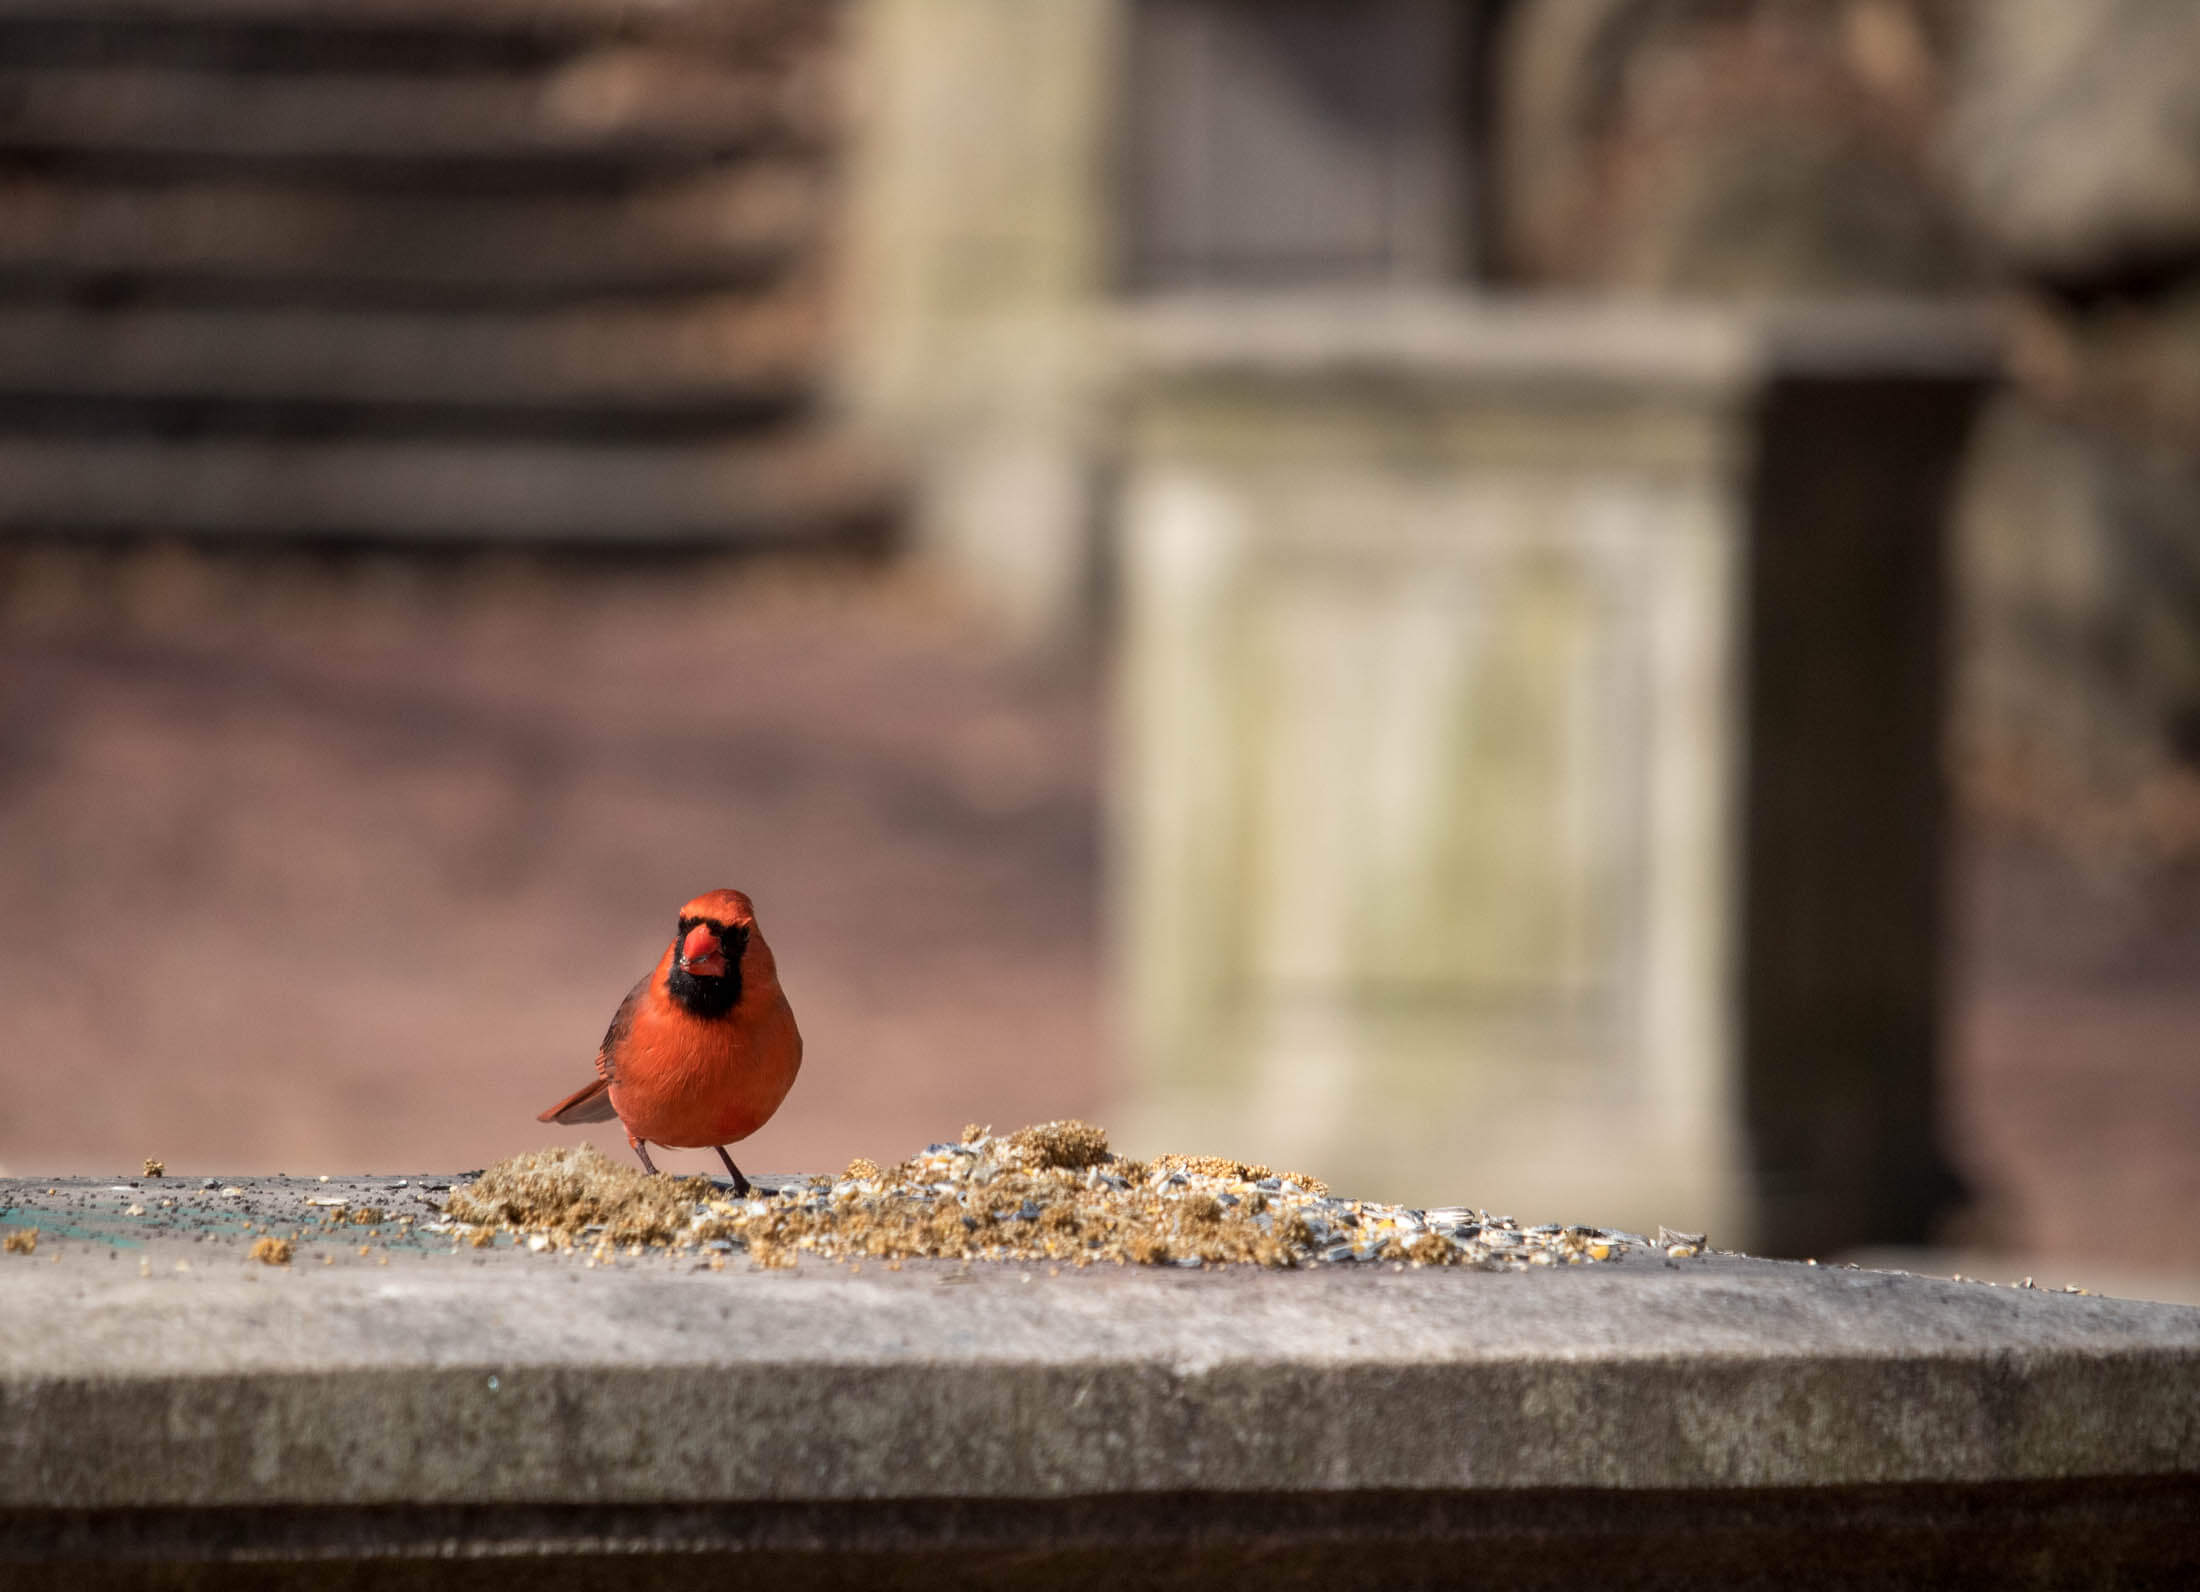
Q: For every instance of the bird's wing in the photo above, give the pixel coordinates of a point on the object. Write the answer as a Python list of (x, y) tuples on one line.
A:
[(592, 1104), (614, 1037)]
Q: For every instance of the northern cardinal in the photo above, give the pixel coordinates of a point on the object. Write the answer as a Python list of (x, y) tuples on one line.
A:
[(703, 1049)]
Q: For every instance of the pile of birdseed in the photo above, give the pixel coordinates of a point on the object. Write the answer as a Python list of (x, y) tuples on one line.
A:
[(1048, 1193), (570, 1192)]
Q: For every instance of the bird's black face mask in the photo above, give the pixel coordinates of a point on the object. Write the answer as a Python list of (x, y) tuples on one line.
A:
[(701, 950)]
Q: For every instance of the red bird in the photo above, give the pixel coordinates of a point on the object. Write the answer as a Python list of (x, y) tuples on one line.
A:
[(702, 1050)]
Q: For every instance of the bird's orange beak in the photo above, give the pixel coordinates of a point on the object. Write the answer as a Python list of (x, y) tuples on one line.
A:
[(701, 954)]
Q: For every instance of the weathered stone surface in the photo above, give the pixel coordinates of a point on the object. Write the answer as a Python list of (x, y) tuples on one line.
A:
[(440, 1381), (1530, 754), (486, 1417)]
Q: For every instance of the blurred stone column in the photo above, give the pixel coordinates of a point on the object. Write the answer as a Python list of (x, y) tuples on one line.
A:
[(976, 261), (1529, 791)]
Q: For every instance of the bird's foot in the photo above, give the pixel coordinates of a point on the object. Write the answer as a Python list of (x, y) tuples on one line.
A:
[(642, 1150), (740, 1183)]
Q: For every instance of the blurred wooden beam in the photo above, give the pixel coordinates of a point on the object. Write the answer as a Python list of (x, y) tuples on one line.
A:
[(721, 349), (640, 108), (683, 234), (746, 22), (390, 270), (776, 488)]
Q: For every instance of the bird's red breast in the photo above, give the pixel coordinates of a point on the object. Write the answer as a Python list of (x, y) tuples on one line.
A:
[(704, 1049)]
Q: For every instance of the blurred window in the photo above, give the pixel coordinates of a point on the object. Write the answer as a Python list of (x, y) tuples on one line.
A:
[(1299, 141)]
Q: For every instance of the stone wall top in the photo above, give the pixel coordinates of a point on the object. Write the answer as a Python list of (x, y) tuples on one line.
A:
[(1459, 339), (463, 1376)]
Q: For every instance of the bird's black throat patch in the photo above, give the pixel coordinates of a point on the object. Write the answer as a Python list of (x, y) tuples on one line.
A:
[(706, 996)]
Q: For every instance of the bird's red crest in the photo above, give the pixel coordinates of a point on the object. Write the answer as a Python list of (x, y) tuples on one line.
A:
[(720, 906)]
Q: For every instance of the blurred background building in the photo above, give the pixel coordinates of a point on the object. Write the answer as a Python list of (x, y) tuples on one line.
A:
[(1639, 561)]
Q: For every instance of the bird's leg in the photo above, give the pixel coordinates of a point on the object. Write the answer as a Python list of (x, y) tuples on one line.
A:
[(642, 1150), (740, 1183)]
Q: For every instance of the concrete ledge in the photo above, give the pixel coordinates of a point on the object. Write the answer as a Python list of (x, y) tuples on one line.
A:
[(1675, 351), (548, 1383), (1364, 1426)]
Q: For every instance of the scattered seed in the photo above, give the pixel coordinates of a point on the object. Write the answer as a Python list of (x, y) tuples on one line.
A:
[(1051, 1193)]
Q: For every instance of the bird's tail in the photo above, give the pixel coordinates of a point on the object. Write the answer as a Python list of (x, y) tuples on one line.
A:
[(592, 1104)]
